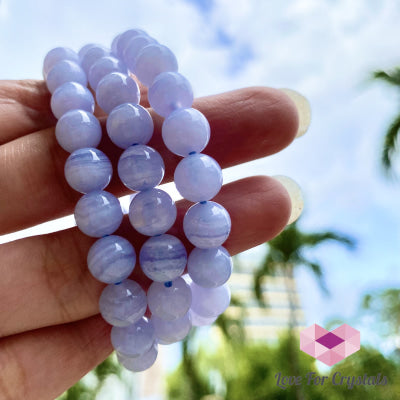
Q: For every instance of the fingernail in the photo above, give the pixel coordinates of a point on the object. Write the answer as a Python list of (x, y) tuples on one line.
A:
[(296, 196), (303, 108)]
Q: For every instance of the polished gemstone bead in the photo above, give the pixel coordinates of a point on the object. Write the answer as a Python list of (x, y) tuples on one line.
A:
[(77, 129), (170, 91), (134, 47), (111, 259), (84, 49), (140, 167), (207, 225), (210, 303), (197, 320), (123, 304), (65, 71), (169, 301), (152, 60), (209, 268), (115, 89), (56, 55), (186, 130), (168, 332), (152, 212), (129, 124), (71, 96), (124, 39), (163, 258), (140, 363), (198, 177), (88, 169), (135, 339), (102, 67), (92, 55), (114, 50), (98, 214)]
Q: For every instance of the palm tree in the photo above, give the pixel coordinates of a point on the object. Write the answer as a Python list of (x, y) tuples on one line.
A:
[(390, 142)]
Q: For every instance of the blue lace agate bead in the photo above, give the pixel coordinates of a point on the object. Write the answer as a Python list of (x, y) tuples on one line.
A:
[(92, 55), (185, 131), (123, 304), (140, 167), (84, 49), (114, 50), (111, 259), (198, 320), (88, 169), (98, 214), (163, 258), (207, 225), (77, 129), (169, 301), (103, 67), (209, 268), (115, 89), (65, 71), (152, 212), (198, 177), (56, 55), (129, 124), (71, 96), (133, 48), (124, 38), (170, 91), (152, 60), (135, 339), (139, 363), (168, 332), (209, 303)]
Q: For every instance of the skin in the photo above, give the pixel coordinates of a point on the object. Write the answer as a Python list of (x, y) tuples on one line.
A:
[(50, 331)]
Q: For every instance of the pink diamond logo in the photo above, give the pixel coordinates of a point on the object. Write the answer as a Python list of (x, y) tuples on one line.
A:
[(330, 347)]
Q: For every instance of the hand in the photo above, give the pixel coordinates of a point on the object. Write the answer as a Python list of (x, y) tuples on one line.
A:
[(50, 329)]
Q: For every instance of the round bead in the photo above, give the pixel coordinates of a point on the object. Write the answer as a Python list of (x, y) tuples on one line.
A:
[(65, 71), (92, 55), (111, 259), (197, 320), (135, 339), (103, 67), (163, 258), (98, 214), (168, 332), (140, 363), (77, 129), (115, 89), (134, 47), (186, 130), (84, 49), (207, 225), (114, 43), (210, 303), (124, 39), (170, 91), (140, 167), (88, 169), (56, 55), (152, 60), (71, 96), (209, 268), (152, 212), (198, 177), (123, 304), (169, 302), (129, 124)]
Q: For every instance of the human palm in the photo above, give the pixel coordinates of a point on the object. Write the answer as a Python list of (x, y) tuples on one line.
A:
[(51, 333)]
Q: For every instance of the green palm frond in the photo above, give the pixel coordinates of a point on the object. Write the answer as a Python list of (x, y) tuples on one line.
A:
[(314, 239), (390, 143), (268, 268), (318, 272), (392, 77)]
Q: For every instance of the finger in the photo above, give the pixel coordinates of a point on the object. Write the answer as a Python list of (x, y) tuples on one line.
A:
[(57, 356), (24, 108), (53, 276), (246, 124)]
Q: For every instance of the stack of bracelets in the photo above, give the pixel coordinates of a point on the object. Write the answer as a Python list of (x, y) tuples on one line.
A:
[(176, 302)]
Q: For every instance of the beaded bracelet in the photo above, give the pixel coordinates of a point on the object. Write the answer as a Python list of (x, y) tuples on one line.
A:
[(176, 301)]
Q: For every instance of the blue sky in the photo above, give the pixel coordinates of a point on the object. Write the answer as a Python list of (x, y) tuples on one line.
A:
[(324, 49)]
